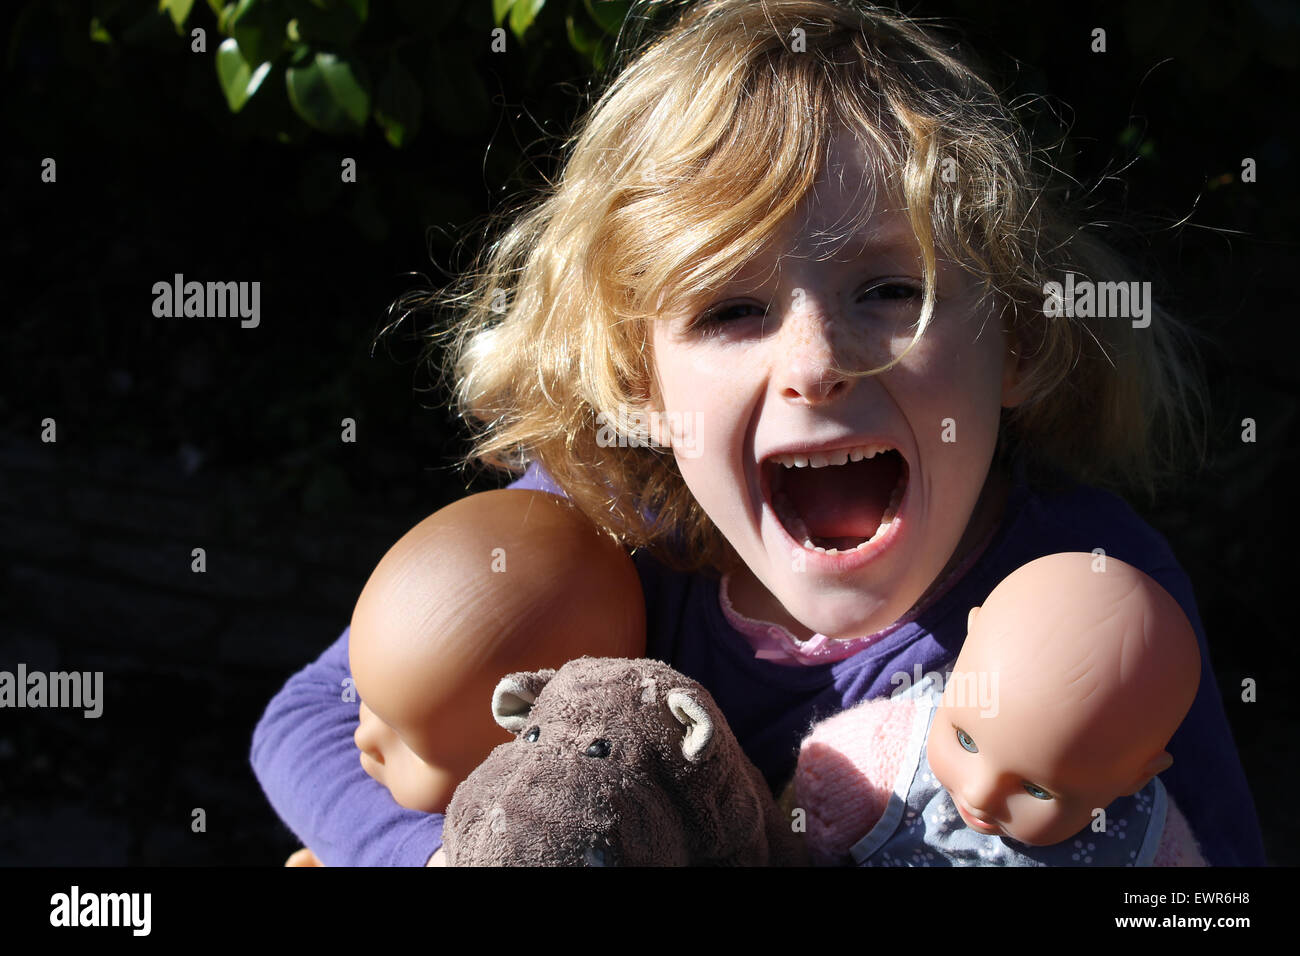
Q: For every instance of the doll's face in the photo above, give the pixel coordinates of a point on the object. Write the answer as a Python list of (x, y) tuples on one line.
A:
[(1091, 669), (413, 783), (1026, 738), (1007, 776), (755, 379)]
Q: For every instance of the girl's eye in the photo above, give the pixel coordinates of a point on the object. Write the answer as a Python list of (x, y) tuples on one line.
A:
[(965, 740), (893, 292), (711, 321), (533, 734), (1036, 791), (884, 292), (724, 314)]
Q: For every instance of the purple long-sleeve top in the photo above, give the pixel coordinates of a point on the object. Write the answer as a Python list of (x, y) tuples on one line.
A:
[(305, 759)]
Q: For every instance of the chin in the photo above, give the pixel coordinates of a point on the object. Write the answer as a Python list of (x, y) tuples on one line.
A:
[(848, 617)]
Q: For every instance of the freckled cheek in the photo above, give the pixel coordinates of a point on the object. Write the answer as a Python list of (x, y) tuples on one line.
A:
[(857, 346)]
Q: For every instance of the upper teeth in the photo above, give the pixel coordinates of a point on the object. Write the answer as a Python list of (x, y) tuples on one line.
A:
[(838, 456)]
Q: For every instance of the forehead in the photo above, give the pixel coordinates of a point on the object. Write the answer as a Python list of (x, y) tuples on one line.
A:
[(848, 210)]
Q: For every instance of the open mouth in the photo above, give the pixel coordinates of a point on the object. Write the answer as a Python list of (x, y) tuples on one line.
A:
[(837, 501)]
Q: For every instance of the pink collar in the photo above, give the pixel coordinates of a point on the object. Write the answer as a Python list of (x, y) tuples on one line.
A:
[(775, 643)]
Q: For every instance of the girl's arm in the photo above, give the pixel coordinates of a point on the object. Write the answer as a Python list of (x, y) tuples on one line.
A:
[(309, 766)]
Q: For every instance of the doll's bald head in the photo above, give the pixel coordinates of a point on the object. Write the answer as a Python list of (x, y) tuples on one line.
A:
[(1091, 667), (495, 583)]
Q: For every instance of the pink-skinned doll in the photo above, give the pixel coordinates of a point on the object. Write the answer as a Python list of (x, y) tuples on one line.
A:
[(495, 583), (1042, 746)]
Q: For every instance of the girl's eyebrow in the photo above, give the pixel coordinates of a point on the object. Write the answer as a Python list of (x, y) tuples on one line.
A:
[(875, 242), (871, 240)]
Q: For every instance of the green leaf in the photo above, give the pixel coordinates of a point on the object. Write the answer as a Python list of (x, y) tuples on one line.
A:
[(328, 95), (397, 106), (499, 10), (98, 33), (581, 37), (239, 81), (361, 8), (259, 27), (215, 6), (179, 10), (610, 14), (332, 25), (522, 15)]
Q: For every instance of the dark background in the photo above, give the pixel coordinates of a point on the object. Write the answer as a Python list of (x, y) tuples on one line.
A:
[(183, 433)]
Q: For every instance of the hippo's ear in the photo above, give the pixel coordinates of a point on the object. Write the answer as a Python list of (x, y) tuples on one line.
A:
[(514, 695), (697, 721)]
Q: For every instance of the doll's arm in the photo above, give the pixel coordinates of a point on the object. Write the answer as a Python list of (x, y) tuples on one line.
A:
[(1178, 845), (307, 763), (848, 766)]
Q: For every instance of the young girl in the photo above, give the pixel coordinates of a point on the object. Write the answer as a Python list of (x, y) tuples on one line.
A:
[(805, 243)]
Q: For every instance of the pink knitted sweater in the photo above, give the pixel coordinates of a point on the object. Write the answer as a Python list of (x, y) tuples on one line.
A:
[(849, 764)]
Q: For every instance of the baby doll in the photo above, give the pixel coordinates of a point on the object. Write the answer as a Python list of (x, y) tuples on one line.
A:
[(521, 581), (1043, 748)]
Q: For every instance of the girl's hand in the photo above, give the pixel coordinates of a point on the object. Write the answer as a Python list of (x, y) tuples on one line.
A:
[(438, 859), (303, 857)]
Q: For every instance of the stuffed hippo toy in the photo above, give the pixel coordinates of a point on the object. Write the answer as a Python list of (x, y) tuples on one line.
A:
[(615, 763)]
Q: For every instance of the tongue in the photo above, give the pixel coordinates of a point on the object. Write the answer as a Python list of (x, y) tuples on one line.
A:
[(843, 501)]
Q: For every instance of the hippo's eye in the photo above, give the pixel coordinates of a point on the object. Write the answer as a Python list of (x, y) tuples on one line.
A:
[(598, 748), (533, 734)]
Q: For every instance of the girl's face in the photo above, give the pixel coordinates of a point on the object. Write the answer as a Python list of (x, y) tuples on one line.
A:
[(755, 382)]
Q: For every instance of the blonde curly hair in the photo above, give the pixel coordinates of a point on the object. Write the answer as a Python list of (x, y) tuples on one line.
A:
[(660, 199)]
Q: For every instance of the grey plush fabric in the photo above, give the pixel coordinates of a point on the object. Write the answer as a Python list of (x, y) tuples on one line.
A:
[(615, 763)]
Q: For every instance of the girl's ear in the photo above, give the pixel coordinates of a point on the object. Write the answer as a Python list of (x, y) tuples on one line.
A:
[(1014, 373)]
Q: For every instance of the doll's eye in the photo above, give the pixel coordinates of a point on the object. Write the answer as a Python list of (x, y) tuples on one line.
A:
[(533, 734), (965, 740), (598, 748), (1036, 791)]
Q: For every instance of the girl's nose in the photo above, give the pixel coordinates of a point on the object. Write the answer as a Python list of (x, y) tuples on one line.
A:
[(808, 357)]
